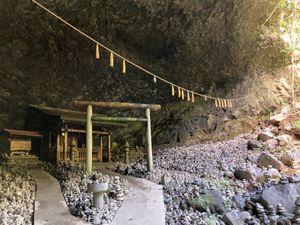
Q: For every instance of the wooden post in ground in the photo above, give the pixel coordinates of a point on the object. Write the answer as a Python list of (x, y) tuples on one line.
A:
[(65, 144), (101, 148), (149, 141), (57, 148), (50, 140), (89, 139), (109, 148)]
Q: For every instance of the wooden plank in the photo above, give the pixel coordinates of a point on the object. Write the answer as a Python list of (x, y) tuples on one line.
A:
[(118, 119), (20, 145), (23, 133), (83, 120), (84, 131), (117, 105)]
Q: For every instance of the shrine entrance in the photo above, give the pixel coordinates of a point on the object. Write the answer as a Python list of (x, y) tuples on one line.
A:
[(91, 118)]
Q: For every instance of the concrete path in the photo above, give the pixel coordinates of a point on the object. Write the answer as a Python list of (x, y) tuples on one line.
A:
[(144, 205), (50, 206)]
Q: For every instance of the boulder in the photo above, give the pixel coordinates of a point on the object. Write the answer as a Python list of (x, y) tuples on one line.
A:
[(254, 144), (277, 119), (228, 174), (211, 200), (286, 195), (294, 179), (288, 160), (264, 136), (233, 218), (284, 139), (266, 159), (248, 173), (272, 142), (239, 201), (165, 179), (275, 174), (244, 215)]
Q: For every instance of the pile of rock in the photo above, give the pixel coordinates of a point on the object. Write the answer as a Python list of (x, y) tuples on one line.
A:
[(17, 196), (274, 203), (74, 183), (209, 183)]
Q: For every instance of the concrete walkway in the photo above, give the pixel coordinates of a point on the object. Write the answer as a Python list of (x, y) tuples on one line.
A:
[(144, 205), (50, 206)]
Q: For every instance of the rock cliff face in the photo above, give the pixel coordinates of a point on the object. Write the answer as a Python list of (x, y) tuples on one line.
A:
[(210, 46)]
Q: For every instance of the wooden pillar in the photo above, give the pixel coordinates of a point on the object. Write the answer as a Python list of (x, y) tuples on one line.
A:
[(127, 148), (58, 148), (99, 157), (109, 148), (49, 140), (149, 142), (65, 144), (89, 139), (101, 149)]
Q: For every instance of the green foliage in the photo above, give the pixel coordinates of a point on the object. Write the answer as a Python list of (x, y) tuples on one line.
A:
[(224, 184), (296, 126), (212, 220), (201, 203)]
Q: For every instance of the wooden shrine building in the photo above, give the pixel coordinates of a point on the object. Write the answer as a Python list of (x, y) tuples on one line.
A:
[(61, 127), (19, 142)]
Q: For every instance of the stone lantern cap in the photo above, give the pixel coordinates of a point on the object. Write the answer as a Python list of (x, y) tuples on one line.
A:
[(97, 187)]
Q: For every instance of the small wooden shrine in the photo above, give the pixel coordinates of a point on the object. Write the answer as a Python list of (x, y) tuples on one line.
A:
[(18, 142), (61, 127)]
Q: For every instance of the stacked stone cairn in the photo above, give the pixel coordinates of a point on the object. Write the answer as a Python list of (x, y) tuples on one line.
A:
[(119, 192), (296, 218), (74, 182)]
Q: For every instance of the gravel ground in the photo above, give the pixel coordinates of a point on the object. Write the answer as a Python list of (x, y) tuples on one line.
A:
[(17, 196), (189, 170)]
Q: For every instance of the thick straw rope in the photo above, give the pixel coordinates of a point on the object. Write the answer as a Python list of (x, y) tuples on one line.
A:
[(113, 53)]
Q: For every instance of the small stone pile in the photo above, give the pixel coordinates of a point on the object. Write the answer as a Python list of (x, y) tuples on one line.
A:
[(74, 181), (17, 196)]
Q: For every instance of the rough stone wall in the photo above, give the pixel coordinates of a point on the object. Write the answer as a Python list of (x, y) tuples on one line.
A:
[(209, 46)]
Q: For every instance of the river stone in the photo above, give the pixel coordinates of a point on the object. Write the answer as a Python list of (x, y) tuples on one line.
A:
[(266, 159), (274, 173), (277, 119), (212, 200), (239, 201), (286, 195), (264, 136), (272, 142), (294, 179), (254, 144), (287, 160), (248, 173), (284, 139), (233, 218)]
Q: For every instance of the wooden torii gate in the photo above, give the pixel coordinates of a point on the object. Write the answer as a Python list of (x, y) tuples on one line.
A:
[(115, 105)]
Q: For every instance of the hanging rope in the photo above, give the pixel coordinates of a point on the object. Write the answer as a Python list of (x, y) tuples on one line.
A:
[(272, 13), (181, 91)]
